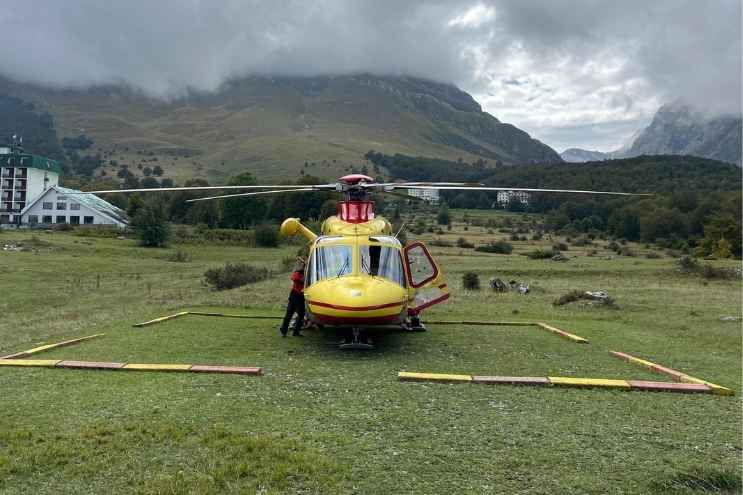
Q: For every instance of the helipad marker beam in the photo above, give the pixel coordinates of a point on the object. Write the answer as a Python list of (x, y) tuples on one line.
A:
[(47, 347), (562, 333), (433, 377), (677, 375), (239, 370), (588, 382), (684, 388), (94, 365), (157, 367), (227, 315), (511, 380), (161, 319), (486, 323), (29, 362)]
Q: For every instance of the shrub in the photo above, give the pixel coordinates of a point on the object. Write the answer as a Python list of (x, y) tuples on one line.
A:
[(652, 255), (235, 275), (266, 236), (514, 237), (560, 246), (499, 247), (471, 281), (613, 246), (627, 251), (440, 242), (178, 257), (541, 254), (576, 295), (464, 243)]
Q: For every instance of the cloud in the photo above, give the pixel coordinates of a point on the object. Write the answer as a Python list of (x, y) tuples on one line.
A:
[(547, 67)]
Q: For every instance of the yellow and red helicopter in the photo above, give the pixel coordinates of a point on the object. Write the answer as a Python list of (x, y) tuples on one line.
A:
[(358, 274)]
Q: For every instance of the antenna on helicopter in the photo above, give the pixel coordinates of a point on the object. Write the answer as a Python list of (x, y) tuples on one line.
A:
[(400, 229)]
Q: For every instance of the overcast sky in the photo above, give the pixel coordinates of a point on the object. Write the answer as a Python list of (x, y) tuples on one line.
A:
[(584, 73)]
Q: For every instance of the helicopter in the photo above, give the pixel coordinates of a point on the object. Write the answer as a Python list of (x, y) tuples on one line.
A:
[(358, 274)]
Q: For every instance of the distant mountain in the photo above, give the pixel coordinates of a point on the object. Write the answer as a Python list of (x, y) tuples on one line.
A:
[(578, 155), (279, 127), (679, 129)]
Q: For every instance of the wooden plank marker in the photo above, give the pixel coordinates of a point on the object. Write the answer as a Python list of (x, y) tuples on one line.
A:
[(433, 377), (29, 362), (675, 374), (47, 347), (684, 388), (588, 382), (511, 380), (562, 333), (161, 319)]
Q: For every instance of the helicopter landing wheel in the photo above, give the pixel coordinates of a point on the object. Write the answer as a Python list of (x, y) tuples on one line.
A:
[(415, 325), (358, 341)]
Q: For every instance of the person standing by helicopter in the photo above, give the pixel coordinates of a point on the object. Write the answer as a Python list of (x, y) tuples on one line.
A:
[(296, 299)]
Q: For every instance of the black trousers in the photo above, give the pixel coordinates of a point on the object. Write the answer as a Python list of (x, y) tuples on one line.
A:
[(296, 305)]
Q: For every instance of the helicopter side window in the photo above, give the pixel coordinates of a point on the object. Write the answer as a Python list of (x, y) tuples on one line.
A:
[(382, 261), (330, 262)]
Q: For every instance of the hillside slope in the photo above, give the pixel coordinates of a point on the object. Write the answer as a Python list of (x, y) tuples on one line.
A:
[(277, 127)]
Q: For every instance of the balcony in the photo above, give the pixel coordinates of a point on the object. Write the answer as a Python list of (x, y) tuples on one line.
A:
[(8, 173), (20, 185)]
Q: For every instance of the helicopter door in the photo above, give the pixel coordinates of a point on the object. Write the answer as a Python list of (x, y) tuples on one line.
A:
[(425, 280)]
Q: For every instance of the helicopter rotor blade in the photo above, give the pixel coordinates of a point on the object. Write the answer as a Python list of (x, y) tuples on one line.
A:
[(239, 195), (571, 191), (432, 184), (209, 188), (400, 195)]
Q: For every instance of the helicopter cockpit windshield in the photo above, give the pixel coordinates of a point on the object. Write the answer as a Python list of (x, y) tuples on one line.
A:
[(382, 261), (328, 262)]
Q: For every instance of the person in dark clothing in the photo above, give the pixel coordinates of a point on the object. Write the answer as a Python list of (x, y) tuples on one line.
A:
[(296, 300)]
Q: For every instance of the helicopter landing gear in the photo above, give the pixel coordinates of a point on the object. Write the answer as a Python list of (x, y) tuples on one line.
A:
[(358, 341), (415, 325)]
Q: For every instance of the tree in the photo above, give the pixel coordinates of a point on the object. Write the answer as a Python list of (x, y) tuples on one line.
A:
[(135, 204), (443, 218), (157, 170), (151, 224), (242, 213)]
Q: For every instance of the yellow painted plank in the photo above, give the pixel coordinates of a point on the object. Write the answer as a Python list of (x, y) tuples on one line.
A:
[(161, 319), (439, 377), (716, 389), (588, 382), (562, 333), (29, 362), (157, 367), (41, 348)]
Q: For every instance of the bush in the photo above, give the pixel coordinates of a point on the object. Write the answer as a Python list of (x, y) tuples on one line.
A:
[(266, 236), (514, 237), (613, 246), (576, 295), (464, 243), (652, 255), (471, 281), (440, 242), (560, 246), (499, 247), (235, 275), (627, 251), (541, 254), (179, 257)]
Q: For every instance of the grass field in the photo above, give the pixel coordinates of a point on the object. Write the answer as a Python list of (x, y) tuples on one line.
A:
[(325, 421)]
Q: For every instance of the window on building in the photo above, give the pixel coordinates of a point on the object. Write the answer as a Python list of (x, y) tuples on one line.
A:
[(87, 220), (47, 206), (33, 219), (74, 206), (61, 219), (75, 220), (46, 219), (61, 205)]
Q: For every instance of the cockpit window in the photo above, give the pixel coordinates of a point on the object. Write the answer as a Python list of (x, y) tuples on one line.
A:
[(382, 261), (329, 262)]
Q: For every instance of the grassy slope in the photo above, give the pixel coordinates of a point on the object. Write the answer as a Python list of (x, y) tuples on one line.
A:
[(322, 421)]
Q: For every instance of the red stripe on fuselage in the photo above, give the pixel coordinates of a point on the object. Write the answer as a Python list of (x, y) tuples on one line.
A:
[(354, 308)]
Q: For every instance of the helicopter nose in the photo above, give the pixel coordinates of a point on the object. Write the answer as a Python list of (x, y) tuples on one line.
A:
[(349, 300)]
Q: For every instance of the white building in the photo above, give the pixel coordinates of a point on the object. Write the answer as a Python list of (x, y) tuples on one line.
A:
[(23, 177), (430, 195), (503, 198), (58, 205)]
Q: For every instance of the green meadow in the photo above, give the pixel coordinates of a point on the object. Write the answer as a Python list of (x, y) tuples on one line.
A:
[(326, 421)]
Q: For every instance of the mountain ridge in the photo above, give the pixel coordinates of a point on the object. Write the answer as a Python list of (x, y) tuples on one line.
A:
[(274, 126)]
